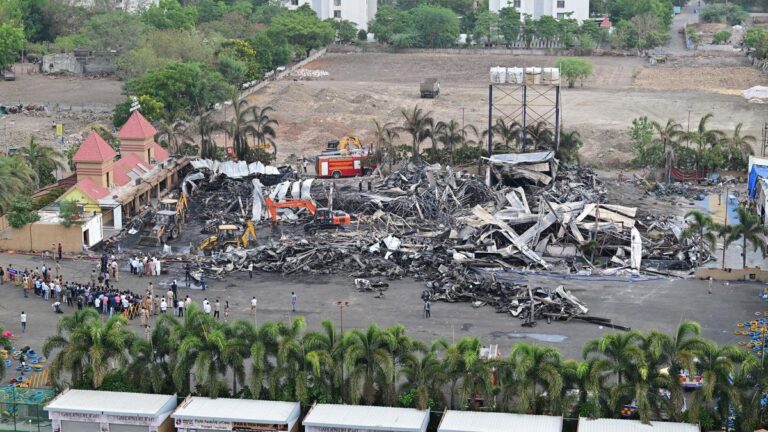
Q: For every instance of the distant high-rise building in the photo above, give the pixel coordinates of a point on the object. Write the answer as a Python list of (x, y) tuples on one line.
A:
[(132, 6), (576, 9), (357, 11)]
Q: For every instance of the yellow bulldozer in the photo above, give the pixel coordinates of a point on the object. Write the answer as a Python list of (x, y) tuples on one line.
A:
[(228, 235)]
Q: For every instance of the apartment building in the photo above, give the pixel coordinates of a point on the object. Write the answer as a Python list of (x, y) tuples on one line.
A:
[(578, 9), (357, 11)]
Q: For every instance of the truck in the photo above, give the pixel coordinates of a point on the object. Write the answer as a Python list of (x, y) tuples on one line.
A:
[(430, 88), (338, 166)]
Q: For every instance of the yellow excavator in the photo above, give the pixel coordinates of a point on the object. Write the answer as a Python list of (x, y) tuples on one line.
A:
[(227, 235), (343, 146), (169, 220)]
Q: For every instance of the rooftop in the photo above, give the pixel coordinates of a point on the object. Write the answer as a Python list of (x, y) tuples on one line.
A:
[(129, 164), (468, 421), (94, 149), (612, 425), (241, 410), (161, 154), (137, 127), (114, 403), (367, 417), (89, 187)]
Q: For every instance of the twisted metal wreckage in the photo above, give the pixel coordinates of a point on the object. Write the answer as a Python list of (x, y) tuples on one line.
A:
[(453, 230)]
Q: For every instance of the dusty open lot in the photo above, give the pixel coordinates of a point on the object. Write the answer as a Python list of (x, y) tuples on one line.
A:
[(363, 87)]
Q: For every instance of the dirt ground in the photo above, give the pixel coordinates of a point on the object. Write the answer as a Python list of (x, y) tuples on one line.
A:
[(75, 102), (363, 87)]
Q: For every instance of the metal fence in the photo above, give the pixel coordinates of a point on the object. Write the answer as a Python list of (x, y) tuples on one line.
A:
[(21, 409)]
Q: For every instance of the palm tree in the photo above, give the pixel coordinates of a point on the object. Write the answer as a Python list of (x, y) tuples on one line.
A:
[(369, 362), (237, 349), (749, 229), (540, 134), (419, 125), (148, 372), (451, 135), (622, 350), (385, 136), (703, 137), (201, 351), (289, 379), (717, 366), (701, 228), (87, 348), (326, 358), (239, 126), (206, 126), (506, 136), (590, 379), (741, 144), (403, 347), (569, 145), (459, 358), (16, 178), (535, 368), (44, 161), (422, 372), (176, 134), (668, 133), (264, 129)]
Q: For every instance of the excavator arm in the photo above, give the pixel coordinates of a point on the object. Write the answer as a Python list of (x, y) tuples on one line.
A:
[(248, 234), (290, 203)]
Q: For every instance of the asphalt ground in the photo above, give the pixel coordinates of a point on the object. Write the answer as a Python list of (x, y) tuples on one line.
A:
[(654, 304)]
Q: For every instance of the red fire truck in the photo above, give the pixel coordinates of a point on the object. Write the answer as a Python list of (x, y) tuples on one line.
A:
[(340, 161)]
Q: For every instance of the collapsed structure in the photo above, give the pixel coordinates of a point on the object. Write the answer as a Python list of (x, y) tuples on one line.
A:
[(457, 232)]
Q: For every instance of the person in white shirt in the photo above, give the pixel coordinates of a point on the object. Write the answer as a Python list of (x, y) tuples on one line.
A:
[(254, 302), (23, 318), (181, 308), (163, 305), (207, 306)]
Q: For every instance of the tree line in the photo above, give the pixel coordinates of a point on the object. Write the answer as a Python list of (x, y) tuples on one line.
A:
[(666, 145), (384, 366)]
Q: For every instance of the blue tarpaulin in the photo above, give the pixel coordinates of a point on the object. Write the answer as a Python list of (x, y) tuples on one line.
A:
[(758, 171)]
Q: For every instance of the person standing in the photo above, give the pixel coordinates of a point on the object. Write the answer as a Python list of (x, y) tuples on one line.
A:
[(306, 164), (175, 288), (226, 310), (23, 318), (169, 298), (187, 274), (254, 303), (250, 270), (144, 317), (163, 305), (216, 309), (207, 307), (181, 308), (427, 309), (2, 276), (202, 279), (58, 267), (293, 301)]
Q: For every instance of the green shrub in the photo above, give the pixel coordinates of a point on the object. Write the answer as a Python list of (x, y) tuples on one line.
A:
[(721, 37)]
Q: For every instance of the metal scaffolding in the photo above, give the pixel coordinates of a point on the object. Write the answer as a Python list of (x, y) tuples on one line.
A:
[(526, 105)]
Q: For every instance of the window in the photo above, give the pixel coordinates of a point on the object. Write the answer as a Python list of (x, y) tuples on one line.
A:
[(517, 4), (337, 14), (561, 4), (560, 15), (337, 3), (294, 2)]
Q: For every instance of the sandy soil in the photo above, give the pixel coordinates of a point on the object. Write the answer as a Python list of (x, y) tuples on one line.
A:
[(363, 87)]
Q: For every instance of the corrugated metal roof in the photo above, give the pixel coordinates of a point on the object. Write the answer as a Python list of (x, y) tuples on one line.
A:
[(468, 421), (367, 417), (613, 425), (243, 410), (115, 403)]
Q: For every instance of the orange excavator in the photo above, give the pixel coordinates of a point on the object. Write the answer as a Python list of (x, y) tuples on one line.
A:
[(323, 218)]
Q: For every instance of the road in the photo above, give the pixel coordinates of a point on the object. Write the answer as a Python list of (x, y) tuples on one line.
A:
[(689, 15)]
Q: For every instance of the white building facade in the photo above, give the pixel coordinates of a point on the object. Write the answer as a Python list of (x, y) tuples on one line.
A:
[(578, 9), (359, 12), (132, 6)]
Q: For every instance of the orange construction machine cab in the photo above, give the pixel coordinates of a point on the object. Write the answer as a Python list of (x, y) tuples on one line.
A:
[(326, 219)]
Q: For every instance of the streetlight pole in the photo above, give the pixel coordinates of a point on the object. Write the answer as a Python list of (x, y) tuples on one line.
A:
[(342, 305)]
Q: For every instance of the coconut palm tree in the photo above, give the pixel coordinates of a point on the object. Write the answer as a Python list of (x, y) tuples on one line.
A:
[(452, 135), (201, 350), (419, 124), (289, 379), (87, 348), (402, 348), (206, 126), (369, 362), (457, 359), (536, 369), (667, 134), (265, 129), (383, 134), (590, 380), (44, 161), (569, 145), (176, 134), (423, 373), (749, 229), (506, 136), (237, 348), (739, 144), (717, 365), (147, 371), (239, 126), (539, 134), (703, 137), (701, 228), (326, 358), (16, 178), (622, 350)]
